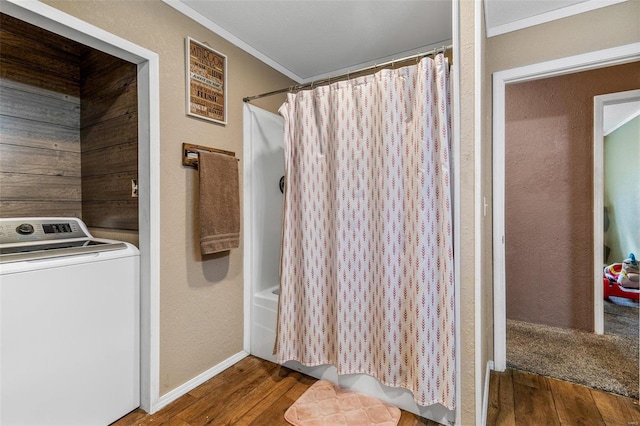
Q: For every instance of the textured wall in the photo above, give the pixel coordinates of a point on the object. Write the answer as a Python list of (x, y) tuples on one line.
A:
[(549, 194), (468, 344), (201, 300)]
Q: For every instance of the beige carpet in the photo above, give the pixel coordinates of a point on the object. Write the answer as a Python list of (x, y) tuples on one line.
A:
[(326, 404), (606, 362)]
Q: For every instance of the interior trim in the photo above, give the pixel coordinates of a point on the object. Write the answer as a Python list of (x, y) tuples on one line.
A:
[(485, 393), (478, 215), (188, 386), (455, 73), (247, 228)]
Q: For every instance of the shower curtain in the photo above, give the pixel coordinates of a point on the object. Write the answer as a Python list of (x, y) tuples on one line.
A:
[(367, 253)]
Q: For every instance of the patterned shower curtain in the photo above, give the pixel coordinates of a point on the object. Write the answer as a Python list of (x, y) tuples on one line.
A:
[(367, 253)]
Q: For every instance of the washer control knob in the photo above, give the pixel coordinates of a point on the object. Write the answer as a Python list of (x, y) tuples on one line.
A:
[(25, 229)]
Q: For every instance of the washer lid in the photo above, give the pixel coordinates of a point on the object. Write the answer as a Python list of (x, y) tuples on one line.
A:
[(18, 253)]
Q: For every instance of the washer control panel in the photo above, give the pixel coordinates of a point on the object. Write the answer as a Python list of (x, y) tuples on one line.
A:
[(20, 230)]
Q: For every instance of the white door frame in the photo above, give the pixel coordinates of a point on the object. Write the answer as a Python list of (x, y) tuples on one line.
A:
[(58, 22), (599, 103), (572, 64)]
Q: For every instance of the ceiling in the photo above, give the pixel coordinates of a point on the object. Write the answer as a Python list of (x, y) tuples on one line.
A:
[(311, 40)]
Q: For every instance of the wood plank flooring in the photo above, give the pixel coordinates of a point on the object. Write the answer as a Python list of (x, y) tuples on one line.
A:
[(520, 398), (251, 392), (257, 392)]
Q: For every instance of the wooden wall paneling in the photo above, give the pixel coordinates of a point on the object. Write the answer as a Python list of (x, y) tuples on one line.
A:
[(40, 172), (96, 61), (40, 208), (36, 161), (30, 187), (47, 38), (110, 160), (35, 134), (42, 78), (116, 188), (111, 214), (109, 106), (35, 90), (109, 141), (108, 86), (40, 107), (119, 130), (47, 68), (108, 81)]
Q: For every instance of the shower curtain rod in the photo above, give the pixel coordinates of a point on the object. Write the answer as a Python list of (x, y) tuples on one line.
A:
[(348, 74)]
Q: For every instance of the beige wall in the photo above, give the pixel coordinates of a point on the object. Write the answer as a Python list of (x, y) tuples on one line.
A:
[(201, 300), (476, 303), (485, 212), (468, 273)]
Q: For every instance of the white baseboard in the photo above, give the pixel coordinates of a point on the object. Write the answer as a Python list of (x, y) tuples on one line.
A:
[(485, 396), (176, 393)]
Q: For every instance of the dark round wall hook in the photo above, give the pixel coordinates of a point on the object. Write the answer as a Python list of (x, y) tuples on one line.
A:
[(282, 184)]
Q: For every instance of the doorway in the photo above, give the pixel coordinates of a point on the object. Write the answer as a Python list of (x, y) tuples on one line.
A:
[(147, 63), (593, 60), (612, 113), (548, 225)]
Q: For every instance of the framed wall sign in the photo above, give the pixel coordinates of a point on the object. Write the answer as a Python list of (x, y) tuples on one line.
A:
[(206, 82)]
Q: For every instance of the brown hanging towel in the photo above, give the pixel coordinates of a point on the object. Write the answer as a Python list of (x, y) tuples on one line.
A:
[(219, 202)]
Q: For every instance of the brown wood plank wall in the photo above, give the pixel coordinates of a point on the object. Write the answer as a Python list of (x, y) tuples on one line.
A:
[(109, 134), (40, 172)]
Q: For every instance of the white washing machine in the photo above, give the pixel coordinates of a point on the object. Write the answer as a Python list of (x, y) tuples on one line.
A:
[(69, 324)]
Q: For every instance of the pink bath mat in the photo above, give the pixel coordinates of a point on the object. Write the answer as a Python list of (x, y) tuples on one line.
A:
[(325, 404)]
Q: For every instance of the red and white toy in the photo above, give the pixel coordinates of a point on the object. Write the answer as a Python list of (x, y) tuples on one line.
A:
[(622, 279)]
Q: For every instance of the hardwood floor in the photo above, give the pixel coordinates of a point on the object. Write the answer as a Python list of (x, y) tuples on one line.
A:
[(520, 398), (252, 392), (258, 392)]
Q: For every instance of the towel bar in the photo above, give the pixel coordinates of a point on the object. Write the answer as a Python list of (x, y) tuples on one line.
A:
[(190, 153)]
